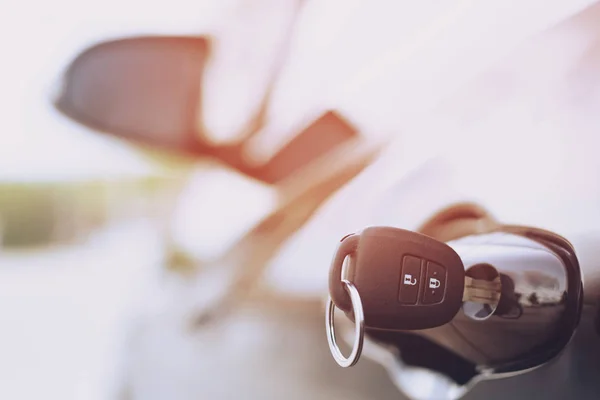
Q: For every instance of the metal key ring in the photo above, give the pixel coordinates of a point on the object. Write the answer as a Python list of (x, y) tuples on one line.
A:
[(359, 328)]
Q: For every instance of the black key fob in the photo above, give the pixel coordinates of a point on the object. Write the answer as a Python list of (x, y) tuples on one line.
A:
[(406, 280)]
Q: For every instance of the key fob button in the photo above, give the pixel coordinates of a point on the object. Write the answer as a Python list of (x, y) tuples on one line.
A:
[(435, 283), (410, 280)]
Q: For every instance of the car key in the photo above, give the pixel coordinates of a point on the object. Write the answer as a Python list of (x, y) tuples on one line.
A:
[(405, 280)]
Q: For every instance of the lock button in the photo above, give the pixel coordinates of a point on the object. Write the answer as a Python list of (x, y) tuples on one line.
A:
[(410, 280), (435, 283)]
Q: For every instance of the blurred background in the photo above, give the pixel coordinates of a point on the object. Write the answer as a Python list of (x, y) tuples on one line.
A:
[(152, 153)]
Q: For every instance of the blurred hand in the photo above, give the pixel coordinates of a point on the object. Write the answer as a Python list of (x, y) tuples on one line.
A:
[(277, 65)]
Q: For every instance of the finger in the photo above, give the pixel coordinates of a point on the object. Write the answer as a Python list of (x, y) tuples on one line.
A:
[(333, 42), (246, 51)]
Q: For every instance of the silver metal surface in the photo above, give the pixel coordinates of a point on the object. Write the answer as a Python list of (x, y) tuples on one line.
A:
[(532, 300), (359, 328)]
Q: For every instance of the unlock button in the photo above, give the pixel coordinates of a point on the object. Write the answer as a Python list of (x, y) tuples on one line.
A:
[(435, 283), (410, 280)]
